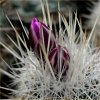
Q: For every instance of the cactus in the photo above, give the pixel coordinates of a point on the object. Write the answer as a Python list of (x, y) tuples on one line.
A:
[(42, 78)]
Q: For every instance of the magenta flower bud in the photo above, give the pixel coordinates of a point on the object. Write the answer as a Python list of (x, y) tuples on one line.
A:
[(38, 32), (59, 59)]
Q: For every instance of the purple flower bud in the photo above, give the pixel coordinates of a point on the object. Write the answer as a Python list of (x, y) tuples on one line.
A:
[(59, 59), (38, 32)]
